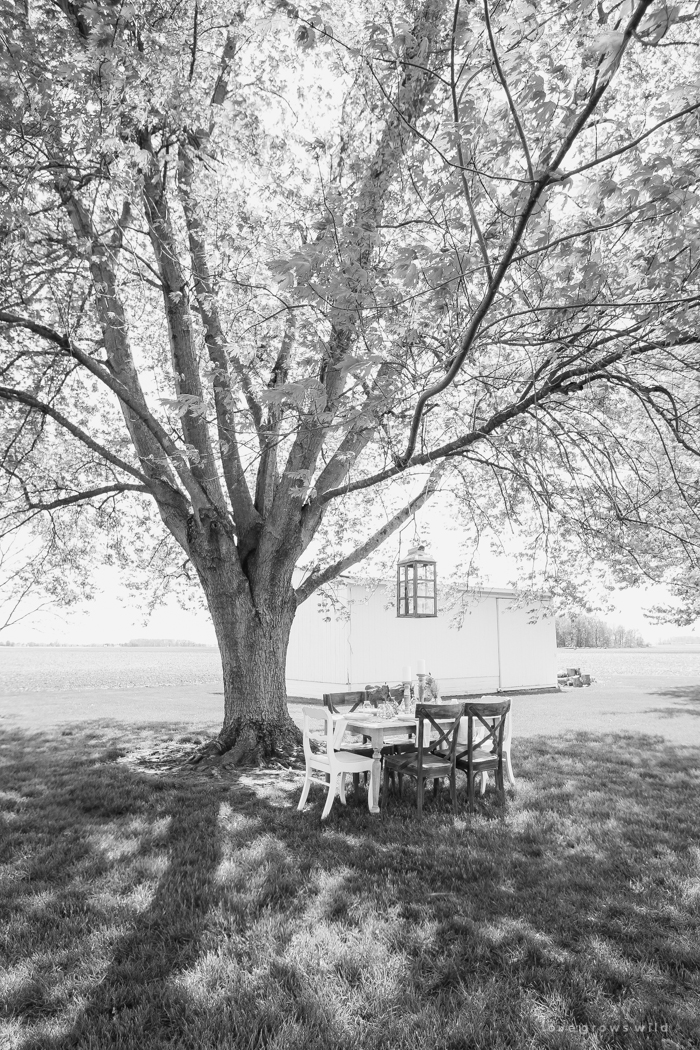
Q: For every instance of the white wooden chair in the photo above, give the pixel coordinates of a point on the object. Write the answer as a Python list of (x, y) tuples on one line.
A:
[(507, 737), (333, 763)]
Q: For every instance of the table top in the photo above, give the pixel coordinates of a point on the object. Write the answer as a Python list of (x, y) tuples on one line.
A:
[(377, 721)]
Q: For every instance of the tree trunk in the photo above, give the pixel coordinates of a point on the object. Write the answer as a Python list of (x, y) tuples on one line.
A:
[(253, 639), (253, 648)]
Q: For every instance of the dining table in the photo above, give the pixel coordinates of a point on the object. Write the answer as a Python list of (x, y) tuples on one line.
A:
[(378, 728)]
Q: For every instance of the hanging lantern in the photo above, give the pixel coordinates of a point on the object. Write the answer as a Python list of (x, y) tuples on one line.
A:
[(416, 584)]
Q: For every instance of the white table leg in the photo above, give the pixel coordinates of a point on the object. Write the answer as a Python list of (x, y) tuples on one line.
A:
[(375, 780)]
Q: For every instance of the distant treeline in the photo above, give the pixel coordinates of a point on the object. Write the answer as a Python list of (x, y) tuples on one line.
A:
[(151, 642), (61, 645), (581, 631), (106, 645)]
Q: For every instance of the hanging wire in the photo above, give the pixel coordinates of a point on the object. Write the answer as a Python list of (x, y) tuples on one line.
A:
[(416, 534)]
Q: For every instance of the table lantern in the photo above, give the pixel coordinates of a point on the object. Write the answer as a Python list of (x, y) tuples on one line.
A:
[(416, 584)]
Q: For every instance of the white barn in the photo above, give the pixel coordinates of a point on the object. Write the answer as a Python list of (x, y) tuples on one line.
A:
[(501, 644)]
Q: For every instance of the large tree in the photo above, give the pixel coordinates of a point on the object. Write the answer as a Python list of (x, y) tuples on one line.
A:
[(276, 270)]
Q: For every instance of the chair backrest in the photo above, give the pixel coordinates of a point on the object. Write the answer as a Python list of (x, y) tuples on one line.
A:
[(486, 726), (434, 717), (377, 694), (318, 714), (342, 703)]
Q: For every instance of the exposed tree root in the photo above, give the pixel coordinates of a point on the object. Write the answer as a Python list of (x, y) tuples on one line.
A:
[(252, 743)]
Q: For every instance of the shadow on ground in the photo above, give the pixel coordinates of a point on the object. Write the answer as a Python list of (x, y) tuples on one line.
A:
[(160, 911), (687, 697)]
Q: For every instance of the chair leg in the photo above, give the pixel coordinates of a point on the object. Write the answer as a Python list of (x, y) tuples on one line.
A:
[(330, 799), (420, 783), (305, 790), (356, 780), (436, 787), (509, 768), (483, 777), (472, 778), (342, 788), (500, 783), (453, 790), (385, 789)]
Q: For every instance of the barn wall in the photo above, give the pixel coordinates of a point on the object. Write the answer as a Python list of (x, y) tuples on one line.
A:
[(528, 646), (498, 646), (317, 658), (381, 644)]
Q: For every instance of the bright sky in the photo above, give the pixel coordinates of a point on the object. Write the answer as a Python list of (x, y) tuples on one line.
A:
[(112, 617)]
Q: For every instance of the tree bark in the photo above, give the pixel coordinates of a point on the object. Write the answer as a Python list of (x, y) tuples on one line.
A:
[(253, 637)]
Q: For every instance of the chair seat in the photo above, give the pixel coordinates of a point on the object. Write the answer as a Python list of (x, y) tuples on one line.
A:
[(408, 763), (350, 760), (487, 764), (484, 760), (350, 750)]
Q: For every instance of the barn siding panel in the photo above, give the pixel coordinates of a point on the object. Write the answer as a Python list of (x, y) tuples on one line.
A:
[(527, 641)]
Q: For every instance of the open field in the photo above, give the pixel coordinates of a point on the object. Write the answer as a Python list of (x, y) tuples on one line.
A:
[(35, 669), (56, 669), (664, 704), (659, 660)]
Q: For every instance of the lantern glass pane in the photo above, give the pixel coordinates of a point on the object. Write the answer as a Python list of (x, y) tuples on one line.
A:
[(416, 585)]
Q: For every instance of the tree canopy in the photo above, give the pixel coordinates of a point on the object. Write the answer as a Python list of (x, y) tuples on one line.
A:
[(280, 272)]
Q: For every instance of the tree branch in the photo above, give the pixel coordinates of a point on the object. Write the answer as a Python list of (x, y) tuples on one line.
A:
[(414, 92), (504, 85), (321, 576), (80, 497), (23, 398), (270, 431), (244, 513), (176, 304), (139, 409), (582, 376), (536, 192), (629, 145), (460, 154)]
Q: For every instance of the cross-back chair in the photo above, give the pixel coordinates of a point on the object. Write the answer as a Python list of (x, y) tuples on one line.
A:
[(432, 756), (332, 764), (484, 753), (343, 703)]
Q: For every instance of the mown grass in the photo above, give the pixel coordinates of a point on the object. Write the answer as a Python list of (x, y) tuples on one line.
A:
[(153, 911)]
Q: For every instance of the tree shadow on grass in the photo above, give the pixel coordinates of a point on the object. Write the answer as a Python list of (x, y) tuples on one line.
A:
[(110, 891), (212, 914), (687, 697)]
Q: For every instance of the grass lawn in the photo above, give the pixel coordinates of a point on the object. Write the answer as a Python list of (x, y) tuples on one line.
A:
[(144, 909)]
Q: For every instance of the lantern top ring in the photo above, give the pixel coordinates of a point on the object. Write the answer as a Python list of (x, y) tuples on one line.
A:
[(418, 555)]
